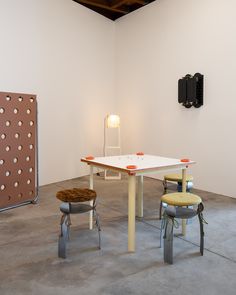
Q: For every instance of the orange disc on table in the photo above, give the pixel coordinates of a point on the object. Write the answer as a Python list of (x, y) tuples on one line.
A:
[(185, 160), (140, 153), (131, 167), (89, 158)]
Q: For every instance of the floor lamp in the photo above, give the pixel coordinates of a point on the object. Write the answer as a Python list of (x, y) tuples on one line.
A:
[(112, 122)]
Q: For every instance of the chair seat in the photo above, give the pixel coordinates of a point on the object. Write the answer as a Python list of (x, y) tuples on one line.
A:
[(181, 199), (76, 195), (73, 203), (177, 177)]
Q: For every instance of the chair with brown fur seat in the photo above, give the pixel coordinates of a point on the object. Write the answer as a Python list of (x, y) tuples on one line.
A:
[(73, 203)]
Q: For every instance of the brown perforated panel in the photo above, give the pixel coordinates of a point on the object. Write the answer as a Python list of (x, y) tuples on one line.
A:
[(18, 148)]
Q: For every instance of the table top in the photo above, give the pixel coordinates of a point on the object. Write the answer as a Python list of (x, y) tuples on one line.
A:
[(140, 163)]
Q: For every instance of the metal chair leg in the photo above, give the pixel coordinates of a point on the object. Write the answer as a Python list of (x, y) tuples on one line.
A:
[(63, 236), (98, 227), (161, 204), (161, 231), (160, 210), (168, 241), (68, 226), (200, 217), (164, 186)]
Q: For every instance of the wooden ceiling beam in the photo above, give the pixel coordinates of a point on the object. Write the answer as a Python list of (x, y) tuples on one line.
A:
[(107, 7)]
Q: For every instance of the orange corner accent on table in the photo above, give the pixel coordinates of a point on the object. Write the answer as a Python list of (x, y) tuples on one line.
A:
[(131, 167), (185, 160), (89, 158)]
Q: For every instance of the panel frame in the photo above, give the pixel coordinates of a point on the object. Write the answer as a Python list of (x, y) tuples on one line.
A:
[(13, 202)]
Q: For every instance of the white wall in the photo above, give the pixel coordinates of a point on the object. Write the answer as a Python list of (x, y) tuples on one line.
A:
[(64, 53), (157, 45)]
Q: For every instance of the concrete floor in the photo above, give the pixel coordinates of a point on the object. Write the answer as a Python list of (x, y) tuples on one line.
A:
[(29, 235)]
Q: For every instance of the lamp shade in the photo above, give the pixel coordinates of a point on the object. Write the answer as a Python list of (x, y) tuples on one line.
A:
[(113, 121)]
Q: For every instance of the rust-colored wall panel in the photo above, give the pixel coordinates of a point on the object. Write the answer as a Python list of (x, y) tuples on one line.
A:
[(18, 149)]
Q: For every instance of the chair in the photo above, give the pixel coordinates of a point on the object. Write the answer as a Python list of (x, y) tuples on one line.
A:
[(176, 209), (178, 179), (73, 200)]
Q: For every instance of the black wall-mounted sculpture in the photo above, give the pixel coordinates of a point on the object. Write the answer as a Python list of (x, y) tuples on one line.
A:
[(190, 90)]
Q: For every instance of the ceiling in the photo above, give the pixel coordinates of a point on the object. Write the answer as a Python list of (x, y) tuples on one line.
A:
[(114, 9)]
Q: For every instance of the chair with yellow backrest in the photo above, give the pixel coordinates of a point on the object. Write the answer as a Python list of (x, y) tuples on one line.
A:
[(177, 203), (176, 178), (73, 203)]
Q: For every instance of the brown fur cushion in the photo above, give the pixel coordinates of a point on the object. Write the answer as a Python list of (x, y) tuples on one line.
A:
[(76, 195)]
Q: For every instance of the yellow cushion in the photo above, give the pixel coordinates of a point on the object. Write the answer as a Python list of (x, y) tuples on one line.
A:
[(177, 177), (181, 199)]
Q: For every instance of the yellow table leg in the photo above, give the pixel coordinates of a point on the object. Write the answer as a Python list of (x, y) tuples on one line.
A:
[(131, 214), (140, 196)]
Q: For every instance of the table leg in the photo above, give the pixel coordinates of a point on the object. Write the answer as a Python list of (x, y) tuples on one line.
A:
[(131, 214), (91, 202), (184, 191), (140, 196)]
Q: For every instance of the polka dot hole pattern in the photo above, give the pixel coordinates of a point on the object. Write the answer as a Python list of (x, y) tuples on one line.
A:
[(19, 117)]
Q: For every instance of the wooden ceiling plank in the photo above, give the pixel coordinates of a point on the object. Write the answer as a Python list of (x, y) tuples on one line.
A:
[(141, 2), (95, 4), (118, 3)]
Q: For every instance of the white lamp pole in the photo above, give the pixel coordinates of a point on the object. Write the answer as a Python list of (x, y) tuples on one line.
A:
[(112, 121)]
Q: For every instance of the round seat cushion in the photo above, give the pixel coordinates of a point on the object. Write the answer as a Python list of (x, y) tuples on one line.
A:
[(76, 195), (177, 177), (181, 199)]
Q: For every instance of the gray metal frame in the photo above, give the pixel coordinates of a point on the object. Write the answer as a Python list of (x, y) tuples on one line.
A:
[(76, 208), (168, 222)]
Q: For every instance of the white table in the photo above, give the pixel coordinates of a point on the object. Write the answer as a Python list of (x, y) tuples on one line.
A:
[(145, 164)]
